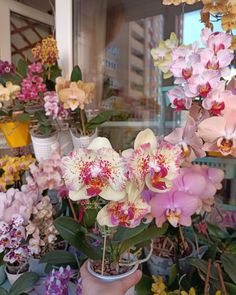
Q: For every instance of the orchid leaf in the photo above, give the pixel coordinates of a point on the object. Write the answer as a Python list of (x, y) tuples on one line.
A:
[(22, 117), (123, 233), (229, 265), (144, 286), (74, 234), (22, 67), (60, 258), (98, 120), (202, 265), (3, 291), (24, 283), (76, 74), (217, 232), (151, 233)]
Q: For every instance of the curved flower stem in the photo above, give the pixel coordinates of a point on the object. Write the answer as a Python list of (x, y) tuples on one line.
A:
[(82, 121), (221, 278), (182, 238), (72, 209)]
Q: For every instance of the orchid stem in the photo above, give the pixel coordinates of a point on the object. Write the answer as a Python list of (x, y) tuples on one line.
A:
[(221, 278), (207, 277), (182, 237), (82, 122), (72, 209), (104, 253)]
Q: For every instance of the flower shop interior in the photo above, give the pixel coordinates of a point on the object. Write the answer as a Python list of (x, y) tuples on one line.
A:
[(118, 147)]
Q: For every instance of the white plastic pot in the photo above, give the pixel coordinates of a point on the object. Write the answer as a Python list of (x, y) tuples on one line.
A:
[(44, 146), (114, 278), (82, 141), (12, 277)]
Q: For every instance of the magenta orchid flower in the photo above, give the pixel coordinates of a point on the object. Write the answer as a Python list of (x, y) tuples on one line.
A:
[(188, 139), (179, 101), (128, 212), (96, 170), (174, 206), (219, 134)]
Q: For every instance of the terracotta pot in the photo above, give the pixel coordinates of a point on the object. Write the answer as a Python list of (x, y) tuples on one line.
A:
[(44, 146), (82, 141), (114, 278)]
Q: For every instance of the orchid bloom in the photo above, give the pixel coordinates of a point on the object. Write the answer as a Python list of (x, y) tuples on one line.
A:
[(178, 2), (137, 159), (215, 102), (219, 134), (175, 206), (215, 40), (8, 92), (179, 101), (162, 55), (152, 164), (128, 212), (96, 170), (188, 139)]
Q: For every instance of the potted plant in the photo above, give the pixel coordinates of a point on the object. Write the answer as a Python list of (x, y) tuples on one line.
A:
[(14, 247), (14, 122), (73, 96)]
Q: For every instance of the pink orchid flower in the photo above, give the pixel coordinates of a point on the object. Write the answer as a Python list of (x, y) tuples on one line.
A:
[(179, 101), (175, 206), (198, 113), (215, 41), (201, 82), (201, 181), (184, 58), (218, 61), (128, 212), (215, 102), (188, 139), (96, 170), (219, 134)]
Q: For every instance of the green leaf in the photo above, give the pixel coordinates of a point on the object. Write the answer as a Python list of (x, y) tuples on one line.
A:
[(70, 231), (59, 257), (149, 234), (24, 283), (76, 74), (5, 113), (217, 232), (98, 120), (22, 117), (144, 286), (124, 233), (231, 288), (229, 264), (172, 276), (201, 265), (89, 217), (22, 67), (3, 291)]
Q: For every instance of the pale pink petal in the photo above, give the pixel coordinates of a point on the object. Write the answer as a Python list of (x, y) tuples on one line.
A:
[(212, 128)]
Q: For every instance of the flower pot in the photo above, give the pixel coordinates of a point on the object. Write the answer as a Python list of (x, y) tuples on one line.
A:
[(113, 278), (12, 277), (2, 274), (37, 267), (16, 133), (82, 141), (161, 266), (44, 146)]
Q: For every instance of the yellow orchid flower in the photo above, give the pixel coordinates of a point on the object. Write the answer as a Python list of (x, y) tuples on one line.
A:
[(178, 2), (191, 292), (162, 55), (158, 287)]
